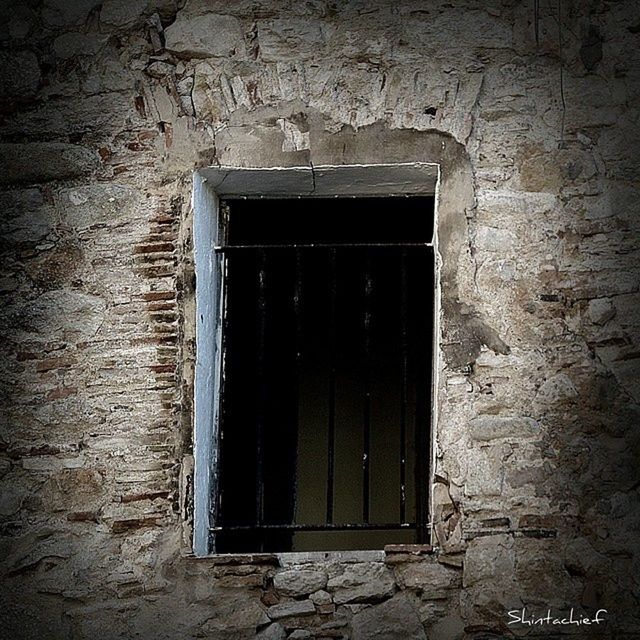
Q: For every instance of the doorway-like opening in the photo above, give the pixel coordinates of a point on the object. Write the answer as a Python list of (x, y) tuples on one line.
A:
[(327, 357)]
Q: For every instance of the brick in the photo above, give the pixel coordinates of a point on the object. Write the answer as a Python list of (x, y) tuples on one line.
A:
[(154, 248), (121, 526), (152, 296), (63, 362), (60, 393)]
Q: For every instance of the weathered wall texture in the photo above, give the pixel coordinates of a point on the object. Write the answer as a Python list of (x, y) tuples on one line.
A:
[(107, 108)]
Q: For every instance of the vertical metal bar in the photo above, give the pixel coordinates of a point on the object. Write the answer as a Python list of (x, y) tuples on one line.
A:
[(297, 311), (261, 400), (368, 288), (403, 388), (331, 435)]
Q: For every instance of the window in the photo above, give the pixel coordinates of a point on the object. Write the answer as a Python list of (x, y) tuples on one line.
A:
[(320, 412)]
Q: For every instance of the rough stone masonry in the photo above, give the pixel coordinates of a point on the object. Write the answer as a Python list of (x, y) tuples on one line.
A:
[(532, 110)]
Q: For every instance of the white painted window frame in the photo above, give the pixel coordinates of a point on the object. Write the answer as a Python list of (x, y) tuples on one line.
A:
[(212, 184)]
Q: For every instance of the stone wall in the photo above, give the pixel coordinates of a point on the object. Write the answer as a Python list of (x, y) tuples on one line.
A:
[(107, 108)]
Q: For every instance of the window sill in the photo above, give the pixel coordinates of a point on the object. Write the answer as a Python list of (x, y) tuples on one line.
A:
[(391, 552)]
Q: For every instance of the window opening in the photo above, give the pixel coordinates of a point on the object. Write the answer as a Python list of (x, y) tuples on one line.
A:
[(327, 354)]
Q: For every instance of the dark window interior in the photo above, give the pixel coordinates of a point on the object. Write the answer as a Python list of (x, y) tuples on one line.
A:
[(325, 402), (330, 220)]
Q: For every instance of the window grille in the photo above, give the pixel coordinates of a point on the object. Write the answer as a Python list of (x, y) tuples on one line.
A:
[(326, 373)]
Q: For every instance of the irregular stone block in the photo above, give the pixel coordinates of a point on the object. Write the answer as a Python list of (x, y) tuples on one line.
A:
[(64, 12), (495, 239), (19, 74), (541, 572), (234, 612), (106, 111), (70, 45), (108, 75), (503, 202), (557, 389), (78, 490), (207, 36), (5, 467), (450, 626), (486, 428), (122, 13), (44, 161), (432, 580), (601, 310), (88, 205), (26, 218), (541, 173), (487, 558), (627, 372), (550, 171), (485, 473), (320, 597), (62, 311), (293, 608), (362, 582), (274, 631), (299, 582), (282, 38), (394, 619), (31, 549), (56, 267), (11, 499)]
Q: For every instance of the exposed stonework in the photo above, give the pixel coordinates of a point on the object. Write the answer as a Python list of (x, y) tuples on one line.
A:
[(107, 109)]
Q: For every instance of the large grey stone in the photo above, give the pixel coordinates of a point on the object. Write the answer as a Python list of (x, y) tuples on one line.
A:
[(487, 559), (282, 37), (485, 471), (29, 550), (292, 608), (494, 239), (274, 631), (211, 35), (541, 572), (103, 112), (25, 216), (19, 74), (11, 498), (395, 619), (299, 582), (71, 45), (14, 204), (44, 161), (61, 313), (557, 389), (67, 12), (235, 613), (122, 13), (321, 597), (601, 310), (486, 428), (362, 582), (93, 204), (430, 579)]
